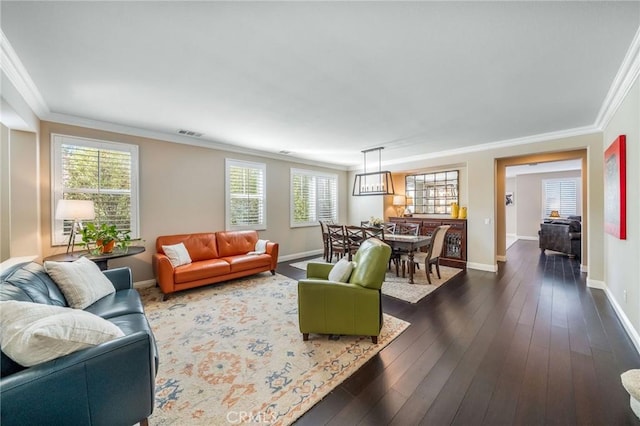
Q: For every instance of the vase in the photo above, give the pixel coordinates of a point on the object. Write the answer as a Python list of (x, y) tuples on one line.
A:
[(106, 248), (454, 210), (462, 214)]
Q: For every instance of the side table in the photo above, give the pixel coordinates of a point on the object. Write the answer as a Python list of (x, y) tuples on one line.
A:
[(100, 259)]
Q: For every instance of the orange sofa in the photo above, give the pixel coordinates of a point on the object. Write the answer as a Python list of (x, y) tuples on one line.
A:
[(215, 257)]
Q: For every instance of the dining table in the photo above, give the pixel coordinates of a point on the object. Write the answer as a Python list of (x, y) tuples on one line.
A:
[(408, 244)]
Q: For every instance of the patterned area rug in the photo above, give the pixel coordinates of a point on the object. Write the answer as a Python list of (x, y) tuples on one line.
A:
[(399, 287), (233, 354)]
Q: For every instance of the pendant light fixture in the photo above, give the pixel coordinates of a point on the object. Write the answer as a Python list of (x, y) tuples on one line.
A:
[(373, 183)]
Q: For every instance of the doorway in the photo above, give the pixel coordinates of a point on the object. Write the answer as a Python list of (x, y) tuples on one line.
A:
[(540, 160)]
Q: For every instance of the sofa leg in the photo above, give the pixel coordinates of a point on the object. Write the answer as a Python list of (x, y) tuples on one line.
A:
[(144, 422), (374, 340), (305, 336), (273, 272), (165, 297)]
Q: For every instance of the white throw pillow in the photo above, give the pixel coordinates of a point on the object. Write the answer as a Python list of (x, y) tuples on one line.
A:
[(341, 271), (81, 281), (177, 254), (33, 333)]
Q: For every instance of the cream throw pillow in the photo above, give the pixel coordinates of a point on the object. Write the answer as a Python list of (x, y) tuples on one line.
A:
[(81, 281), (177, 254), (33, 333), (341, 271)]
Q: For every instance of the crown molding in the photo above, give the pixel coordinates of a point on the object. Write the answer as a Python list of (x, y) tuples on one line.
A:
[(17, 74), (185, 140), (543, 137), (625, 78)]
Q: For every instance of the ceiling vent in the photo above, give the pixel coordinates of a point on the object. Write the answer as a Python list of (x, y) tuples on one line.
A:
[(285, 152), (189, 133)]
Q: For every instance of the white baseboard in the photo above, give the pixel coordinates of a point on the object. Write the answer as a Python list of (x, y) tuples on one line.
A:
[(482, 267), (595, 284), (584, 268), (299, 255), (525, 237), (631, 331), (144, 284), (501, 258)]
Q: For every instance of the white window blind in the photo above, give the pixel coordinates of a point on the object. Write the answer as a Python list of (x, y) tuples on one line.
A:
[(314, 197), (560, 195), (101, 171), (245, 195)]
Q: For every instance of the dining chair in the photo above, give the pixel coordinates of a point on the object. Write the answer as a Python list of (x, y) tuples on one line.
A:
[(407, 229), (403, 229), (354, 236), (337, 241), (389, 227), (373, 232), (431, 256), (325, 240)]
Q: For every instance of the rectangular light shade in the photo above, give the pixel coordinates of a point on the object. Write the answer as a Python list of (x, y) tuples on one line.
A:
[(373, 183), (398, 200), (75, 209)]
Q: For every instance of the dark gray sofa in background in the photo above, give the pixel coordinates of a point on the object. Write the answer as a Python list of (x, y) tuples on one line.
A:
[(109, 384), (561, 235)]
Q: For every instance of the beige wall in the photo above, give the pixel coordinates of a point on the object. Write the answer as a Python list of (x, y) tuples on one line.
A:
[(622, 269), (25, 205), (511, 211), (5, 203), (529, 206), (182, 191), (20, 204)]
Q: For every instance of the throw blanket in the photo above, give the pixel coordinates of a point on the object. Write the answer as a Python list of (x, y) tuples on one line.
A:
[(261, 247)]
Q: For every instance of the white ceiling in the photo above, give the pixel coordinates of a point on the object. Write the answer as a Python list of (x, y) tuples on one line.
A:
[(325, 80)]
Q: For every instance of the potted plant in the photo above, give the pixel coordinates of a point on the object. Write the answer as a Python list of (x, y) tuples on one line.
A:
[(103, 238)]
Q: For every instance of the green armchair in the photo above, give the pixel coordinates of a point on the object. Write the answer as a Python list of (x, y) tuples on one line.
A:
[(354, 308)]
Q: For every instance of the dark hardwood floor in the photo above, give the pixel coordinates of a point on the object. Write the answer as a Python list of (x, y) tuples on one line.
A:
[(528, 345)]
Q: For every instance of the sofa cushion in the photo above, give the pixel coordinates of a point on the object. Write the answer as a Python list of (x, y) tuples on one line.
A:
[(177, 254), (232, 243), (201, 246), (33, 333), (245, 262), (201, 270), (121, 302), (81, 281), (29, 282)]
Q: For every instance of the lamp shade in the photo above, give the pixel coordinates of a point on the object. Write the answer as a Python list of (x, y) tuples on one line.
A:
[(75, 209), (399, 200)]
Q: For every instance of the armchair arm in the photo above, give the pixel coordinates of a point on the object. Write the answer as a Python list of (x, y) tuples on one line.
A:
[(85, 386), (120, 277), (318, 270), (163, 270)]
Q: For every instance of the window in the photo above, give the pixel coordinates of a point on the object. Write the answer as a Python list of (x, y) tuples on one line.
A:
[(314, 197), (104, 172), (245, 195), (560, 195), (432, 193)]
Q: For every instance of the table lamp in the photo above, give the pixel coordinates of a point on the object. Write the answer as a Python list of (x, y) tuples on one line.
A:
[(554, 213), (76, 210), (399, 202)]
